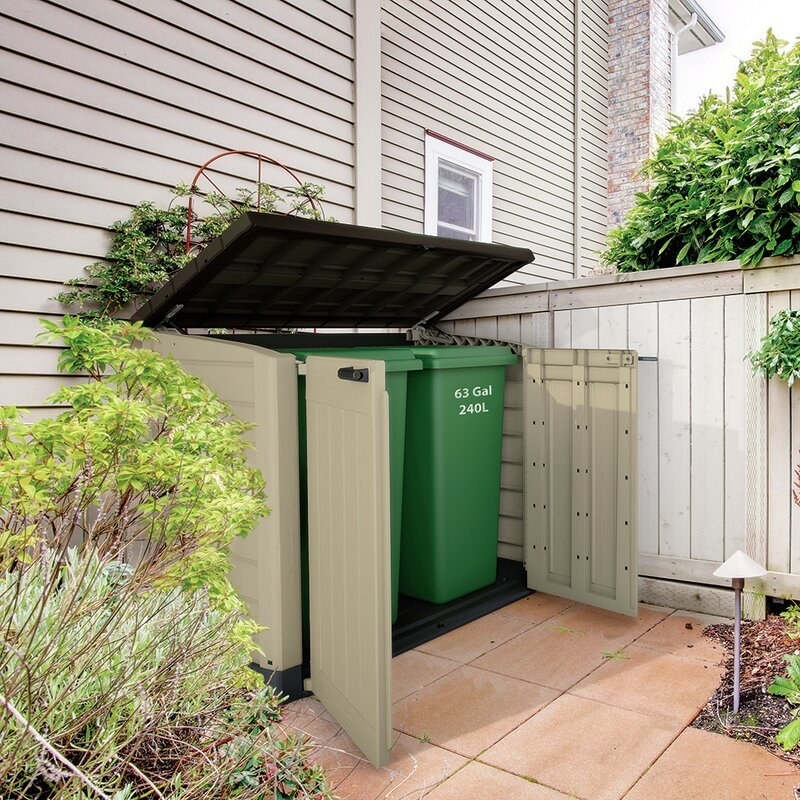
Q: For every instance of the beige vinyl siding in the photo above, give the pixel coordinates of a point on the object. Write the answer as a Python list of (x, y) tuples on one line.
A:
[(436, 58), (108, 103)]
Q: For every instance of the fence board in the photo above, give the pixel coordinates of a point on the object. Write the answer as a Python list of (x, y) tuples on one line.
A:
[(584, 328), (509, 328), (536, 329), (735, 422), (794, 459), (643, 338), (674, 428), (707, 375), (562, 329), (612, 327), (779, 456), (486, 326)]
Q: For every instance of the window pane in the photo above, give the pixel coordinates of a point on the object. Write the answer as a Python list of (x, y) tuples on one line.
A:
[(456, 233), (458, 196)]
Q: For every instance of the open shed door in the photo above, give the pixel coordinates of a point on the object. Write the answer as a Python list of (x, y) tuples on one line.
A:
[(349, 547), (580, 475)]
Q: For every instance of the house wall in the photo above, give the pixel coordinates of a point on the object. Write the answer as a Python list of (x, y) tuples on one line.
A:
[(112, 102), (541, 115), (718, 446), (108, 103)]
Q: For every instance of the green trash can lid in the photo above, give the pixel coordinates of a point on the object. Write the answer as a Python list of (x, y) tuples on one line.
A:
[(395, 359), (451, 357)]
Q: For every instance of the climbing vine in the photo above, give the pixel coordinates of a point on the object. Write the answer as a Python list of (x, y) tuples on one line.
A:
[(150, 245)]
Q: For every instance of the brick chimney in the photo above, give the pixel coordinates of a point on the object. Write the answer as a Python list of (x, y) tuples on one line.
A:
[(639, 94)]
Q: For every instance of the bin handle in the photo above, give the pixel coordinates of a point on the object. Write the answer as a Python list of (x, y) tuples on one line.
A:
[(356, 374)]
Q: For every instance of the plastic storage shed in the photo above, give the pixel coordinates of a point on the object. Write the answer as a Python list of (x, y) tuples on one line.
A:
[(276, 272)]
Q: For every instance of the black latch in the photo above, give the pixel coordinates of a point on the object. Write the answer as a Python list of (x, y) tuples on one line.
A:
[(357, 374)]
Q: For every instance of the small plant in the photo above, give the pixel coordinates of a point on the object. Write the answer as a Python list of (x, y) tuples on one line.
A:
[(617, 655), (751, 720), (150, 246), (564, 629), (124, 649), (791, 618), (779, 352), (146, 460), (788, 686), (109, 686)]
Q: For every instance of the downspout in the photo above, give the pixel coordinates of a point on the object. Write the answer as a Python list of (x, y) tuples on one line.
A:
[(578, 132), (676, 35)]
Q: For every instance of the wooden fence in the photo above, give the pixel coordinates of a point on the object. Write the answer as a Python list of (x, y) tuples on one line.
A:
[(718, 446)]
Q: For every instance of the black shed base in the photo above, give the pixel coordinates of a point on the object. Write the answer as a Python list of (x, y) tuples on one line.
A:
[(419, 622)]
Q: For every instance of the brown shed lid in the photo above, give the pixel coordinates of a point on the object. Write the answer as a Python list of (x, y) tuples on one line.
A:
[(273, 271)]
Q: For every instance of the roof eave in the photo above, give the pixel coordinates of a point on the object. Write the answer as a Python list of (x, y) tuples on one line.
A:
[(704, 34)]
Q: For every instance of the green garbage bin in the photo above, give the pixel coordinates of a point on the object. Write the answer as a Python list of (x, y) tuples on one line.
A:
[(398, 363), (451, 492)]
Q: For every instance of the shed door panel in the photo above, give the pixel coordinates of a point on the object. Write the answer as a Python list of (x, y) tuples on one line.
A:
[(580, 475), (349, 548)]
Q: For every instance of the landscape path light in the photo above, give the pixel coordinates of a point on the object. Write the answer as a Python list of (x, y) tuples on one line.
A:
[(738, 567)]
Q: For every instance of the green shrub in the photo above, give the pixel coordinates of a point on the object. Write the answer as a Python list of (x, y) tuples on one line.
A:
[(778, 354), (124, 649), (724, 181), (788, 686), (106, 686), (145, 459)]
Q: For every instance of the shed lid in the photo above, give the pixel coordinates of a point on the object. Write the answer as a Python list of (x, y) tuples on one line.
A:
[(273, 271)]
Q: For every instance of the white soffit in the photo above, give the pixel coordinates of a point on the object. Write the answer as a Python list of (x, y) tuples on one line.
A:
[(704, 34)]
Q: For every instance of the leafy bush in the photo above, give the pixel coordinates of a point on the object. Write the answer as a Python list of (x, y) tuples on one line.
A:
[(788, 686), (149, 246), (724, 181), (124, 649), (778, 355), (145, 459)]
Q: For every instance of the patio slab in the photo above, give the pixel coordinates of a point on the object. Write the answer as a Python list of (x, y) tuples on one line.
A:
[(548, 700), (415, 669), (681, 634), (469, 709), (415, 769), (629, 680), (584, 748), (700, 765), (468, 642), (488, 783), (550, 654)]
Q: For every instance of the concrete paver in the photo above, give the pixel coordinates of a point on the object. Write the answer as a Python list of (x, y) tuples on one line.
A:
[(583, 747), (478, 780), (469, 709), (546, 700), (630, 679), (701, 765)]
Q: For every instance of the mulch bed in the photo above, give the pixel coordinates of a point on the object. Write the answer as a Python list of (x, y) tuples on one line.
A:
[(761, 715)]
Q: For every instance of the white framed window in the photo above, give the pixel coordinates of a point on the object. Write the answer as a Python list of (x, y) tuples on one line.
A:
[(458, 190)]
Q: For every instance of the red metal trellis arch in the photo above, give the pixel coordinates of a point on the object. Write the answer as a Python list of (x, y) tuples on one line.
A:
[(261, 160)]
